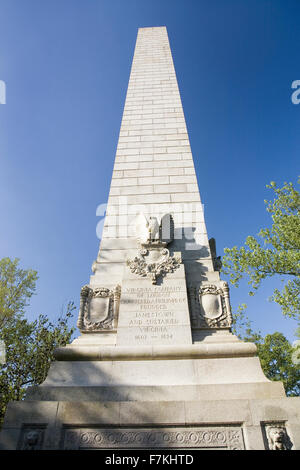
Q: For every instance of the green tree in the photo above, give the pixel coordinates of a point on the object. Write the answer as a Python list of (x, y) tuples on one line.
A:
[(17, 285), (296, 348), (275, 252), (278, 357), (29, 345)]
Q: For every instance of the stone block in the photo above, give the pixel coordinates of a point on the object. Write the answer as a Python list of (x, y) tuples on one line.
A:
[(130, 190), (84, 412), (163, 413), (217, 411), (154, 180), (9, 438), (168, 171), (276, 410), (253, 438), (20, 413), (184, 197), (169, 188), (138, 172), (119, 182), (183, 179)]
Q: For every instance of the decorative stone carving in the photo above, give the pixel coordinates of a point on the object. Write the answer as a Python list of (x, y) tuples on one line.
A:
[(99, 307), (153, 259), (277, 437), (153, 263), (210, 306), (151, 233), (218, 437), (32, 438)]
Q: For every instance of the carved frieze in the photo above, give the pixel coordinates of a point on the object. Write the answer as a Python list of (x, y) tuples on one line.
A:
[(213, 437), (153, 263), (210, 306), (99, 307)]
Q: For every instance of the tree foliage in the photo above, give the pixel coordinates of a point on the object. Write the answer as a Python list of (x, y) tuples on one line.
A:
[(275, 252), (276, 357), (17, 285), (29, 346), (280, 360)]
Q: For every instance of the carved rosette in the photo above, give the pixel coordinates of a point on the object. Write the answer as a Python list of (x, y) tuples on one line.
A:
[(153, 263), (99, 308), (277, 437), (210, 306)]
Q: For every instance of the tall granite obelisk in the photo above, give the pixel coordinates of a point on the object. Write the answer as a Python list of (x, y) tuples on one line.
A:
[(156, 364)]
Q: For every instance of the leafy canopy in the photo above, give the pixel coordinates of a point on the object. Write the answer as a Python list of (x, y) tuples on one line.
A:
[(275, 252), (280, 360), (17, 285), (29, 346)]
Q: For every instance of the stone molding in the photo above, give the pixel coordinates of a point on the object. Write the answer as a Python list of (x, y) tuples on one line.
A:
[(131, 353)]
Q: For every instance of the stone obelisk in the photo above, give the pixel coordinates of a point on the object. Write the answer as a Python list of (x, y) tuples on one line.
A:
[(155, 364)]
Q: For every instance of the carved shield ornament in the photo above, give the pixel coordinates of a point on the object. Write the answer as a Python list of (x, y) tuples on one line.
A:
[(98, 308), (210, 302), (211, 305)]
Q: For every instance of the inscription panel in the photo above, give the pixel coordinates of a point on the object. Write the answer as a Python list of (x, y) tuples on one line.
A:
[(212, 437), (154, 314)]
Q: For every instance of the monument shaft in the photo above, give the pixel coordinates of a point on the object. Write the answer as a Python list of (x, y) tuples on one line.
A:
[(153, 165), (154, 170)]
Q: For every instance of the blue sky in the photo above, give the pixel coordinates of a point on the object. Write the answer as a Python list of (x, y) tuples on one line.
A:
[(66, 67)]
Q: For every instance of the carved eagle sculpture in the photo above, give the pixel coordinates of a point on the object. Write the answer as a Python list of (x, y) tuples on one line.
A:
[(148, 230)]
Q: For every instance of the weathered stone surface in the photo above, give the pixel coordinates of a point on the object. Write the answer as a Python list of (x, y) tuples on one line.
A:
[(154, 314), (90, 424)]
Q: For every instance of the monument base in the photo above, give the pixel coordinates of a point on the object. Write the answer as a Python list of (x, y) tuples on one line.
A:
[(234, 424), (215, 397)]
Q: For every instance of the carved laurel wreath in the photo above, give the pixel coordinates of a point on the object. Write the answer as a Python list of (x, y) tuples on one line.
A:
[(165, 264)]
